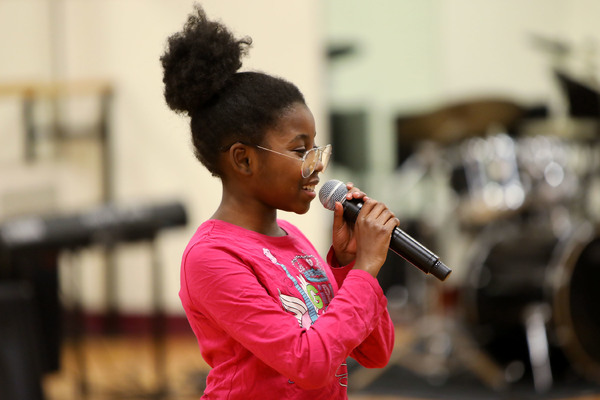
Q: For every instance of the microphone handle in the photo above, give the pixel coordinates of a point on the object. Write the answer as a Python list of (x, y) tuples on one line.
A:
[(412, 251), (404, 245)]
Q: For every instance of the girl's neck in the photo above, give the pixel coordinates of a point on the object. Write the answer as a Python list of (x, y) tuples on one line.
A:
[(249, 217)]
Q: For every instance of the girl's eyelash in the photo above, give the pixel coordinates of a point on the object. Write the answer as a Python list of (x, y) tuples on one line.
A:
[(304, 150)]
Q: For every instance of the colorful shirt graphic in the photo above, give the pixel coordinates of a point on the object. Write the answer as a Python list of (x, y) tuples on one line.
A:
[(306, 308)]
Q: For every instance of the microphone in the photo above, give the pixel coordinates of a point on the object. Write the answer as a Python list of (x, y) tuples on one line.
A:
[(401, 243)]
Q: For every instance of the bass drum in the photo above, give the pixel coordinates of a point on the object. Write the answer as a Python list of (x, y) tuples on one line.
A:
[(517, 269)]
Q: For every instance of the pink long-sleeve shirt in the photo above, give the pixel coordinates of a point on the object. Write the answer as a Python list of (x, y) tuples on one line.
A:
[(274, 320)]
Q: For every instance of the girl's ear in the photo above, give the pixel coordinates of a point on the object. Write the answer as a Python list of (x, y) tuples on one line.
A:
[(241, 158)]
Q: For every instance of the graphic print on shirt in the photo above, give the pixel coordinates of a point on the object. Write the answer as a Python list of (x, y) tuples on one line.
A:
[(312, 278), (342, 374), (297, 307)]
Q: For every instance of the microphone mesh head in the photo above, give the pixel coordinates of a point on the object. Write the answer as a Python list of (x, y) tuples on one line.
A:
[(331, 192)]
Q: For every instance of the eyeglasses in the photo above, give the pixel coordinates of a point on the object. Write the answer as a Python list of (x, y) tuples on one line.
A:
[(310, 159)]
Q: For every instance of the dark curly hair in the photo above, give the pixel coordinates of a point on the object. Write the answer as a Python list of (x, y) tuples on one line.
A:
[(201, 80)]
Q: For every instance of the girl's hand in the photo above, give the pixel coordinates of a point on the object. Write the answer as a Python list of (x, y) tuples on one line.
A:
[(368, 240), (372, 232), (344, 243)]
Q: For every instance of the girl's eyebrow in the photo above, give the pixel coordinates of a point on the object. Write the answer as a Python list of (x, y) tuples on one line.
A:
[(302, 137)]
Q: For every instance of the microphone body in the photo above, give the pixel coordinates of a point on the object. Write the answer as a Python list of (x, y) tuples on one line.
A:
[(401, 243)]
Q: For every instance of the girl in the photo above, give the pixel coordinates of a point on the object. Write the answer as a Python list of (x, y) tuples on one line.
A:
[(272, 318)]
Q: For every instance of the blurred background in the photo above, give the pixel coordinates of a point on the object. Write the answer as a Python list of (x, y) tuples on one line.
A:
[(476, 122)]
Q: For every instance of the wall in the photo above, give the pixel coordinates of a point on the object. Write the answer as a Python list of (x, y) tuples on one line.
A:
[(416, 56), (121, 41)]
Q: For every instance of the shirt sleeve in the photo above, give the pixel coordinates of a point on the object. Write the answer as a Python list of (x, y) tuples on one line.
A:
[(339, 271), (375, 351), (226, 290)]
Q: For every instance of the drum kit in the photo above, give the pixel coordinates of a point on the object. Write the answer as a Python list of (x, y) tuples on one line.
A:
[(527, 193), (529, 298)]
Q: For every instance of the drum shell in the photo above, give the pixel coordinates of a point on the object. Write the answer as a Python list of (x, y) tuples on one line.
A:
[(518, 267)]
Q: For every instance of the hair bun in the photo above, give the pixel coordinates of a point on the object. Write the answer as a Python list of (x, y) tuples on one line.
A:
[(199, 61)]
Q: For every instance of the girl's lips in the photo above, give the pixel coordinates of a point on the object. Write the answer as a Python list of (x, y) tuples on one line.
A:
[(311, 185), (309, 188)]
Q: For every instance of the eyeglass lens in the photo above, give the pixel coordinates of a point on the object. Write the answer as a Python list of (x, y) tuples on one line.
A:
[(313, 156)]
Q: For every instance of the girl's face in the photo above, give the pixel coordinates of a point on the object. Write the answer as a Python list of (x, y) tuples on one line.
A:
[(280, 182)]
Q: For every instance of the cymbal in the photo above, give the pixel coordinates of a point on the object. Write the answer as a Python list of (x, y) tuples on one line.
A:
[(458, 121)]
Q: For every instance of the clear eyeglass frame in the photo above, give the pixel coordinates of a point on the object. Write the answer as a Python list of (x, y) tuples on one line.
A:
[(310, 159)]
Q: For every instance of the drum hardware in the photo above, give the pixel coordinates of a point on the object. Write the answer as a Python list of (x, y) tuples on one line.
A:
[(532, 300), (556, 169), (498, 176), (487, 178), (535, 317), (437, 348)]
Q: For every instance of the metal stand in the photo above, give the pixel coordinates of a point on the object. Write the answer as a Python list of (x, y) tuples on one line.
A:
[(158, 332), (437, 348), (535, 318)]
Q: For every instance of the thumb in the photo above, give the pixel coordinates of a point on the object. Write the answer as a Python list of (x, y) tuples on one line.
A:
[(338, 216)]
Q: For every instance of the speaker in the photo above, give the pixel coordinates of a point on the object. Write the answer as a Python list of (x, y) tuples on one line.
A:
[(20, 366)]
